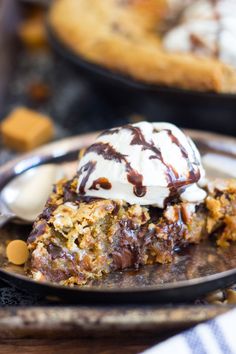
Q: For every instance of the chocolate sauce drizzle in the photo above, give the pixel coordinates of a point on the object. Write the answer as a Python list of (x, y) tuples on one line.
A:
[(101, 182), (109, 153), (194, 175), (89, 167), (175, 182)]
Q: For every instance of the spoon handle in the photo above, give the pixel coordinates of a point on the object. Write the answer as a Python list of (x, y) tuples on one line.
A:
[(4, 218), (5, 214)]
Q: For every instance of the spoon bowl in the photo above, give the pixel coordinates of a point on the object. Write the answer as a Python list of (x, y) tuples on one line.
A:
[(24, 197)]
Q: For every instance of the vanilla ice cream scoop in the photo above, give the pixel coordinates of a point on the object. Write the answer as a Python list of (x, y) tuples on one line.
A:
[(206, 28), (143, 163)]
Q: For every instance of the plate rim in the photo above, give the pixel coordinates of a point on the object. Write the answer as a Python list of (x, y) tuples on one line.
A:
[(182, 284)]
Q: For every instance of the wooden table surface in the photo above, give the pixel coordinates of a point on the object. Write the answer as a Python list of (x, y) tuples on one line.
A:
[(115, 345), (100, 330), (89, 346)]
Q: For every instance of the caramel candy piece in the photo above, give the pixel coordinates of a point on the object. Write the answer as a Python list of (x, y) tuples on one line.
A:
[(17, 252), (231, 296), (39, 91), (24, 129), (215, 297), (32, 32)]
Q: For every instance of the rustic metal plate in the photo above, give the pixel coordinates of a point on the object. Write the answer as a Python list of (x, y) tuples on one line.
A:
[(198, 270), (112, 321)]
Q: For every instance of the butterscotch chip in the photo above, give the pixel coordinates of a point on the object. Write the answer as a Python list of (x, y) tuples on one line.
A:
[(17, 252), (25, 129)]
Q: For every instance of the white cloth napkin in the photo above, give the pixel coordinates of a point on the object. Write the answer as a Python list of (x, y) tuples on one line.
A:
[(217, 336)]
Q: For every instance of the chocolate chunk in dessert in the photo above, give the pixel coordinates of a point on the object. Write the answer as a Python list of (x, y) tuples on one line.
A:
[(69, 195), (46, 214), (37, 231), (55, 251)]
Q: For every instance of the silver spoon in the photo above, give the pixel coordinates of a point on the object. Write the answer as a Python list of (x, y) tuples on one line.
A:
[(24, 197)]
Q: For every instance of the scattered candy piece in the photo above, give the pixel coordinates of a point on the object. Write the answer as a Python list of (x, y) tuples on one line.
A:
[(32, 32), (17, 252), (39, 91), (25, 129), (231, 296)]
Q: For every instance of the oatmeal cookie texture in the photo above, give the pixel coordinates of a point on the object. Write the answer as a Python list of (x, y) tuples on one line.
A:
[(77, 238), (126, 36)]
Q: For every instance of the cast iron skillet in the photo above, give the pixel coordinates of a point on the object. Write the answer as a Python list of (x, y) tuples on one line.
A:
[(192, 109), (114, 78), (195, 271)]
